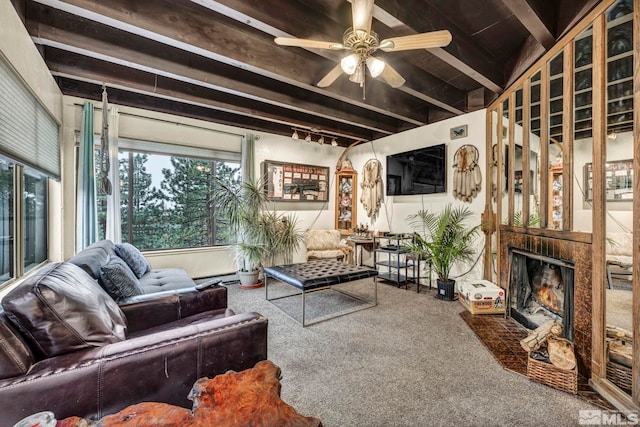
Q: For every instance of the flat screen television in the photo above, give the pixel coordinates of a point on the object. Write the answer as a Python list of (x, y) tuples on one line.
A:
[(421, 171)]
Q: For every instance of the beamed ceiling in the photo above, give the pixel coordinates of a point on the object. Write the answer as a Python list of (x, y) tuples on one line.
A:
[(217, 61)]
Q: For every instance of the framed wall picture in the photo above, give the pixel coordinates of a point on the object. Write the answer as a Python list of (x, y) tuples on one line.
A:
[(296, 182), (458, 132)]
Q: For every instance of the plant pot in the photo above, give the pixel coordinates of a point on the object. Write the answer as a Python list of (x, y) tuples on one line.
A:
[(249, 279), (446, 290)]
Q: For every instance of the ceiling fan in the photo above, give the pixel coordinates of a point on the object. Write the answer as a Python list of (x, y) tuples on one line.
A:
[(362, 42)]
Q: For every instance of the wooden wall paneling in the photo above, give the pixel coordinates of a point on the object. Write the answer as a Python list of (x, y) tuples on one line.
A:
[(567, 137), (598, 203), (499, 185), (636, 204), (544, 145), (567, 38), (512, 154), (526, 126), (489, 215)]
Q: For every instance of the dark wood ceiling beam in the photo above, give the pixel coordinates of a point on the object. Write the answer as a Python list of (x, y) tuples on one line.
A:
[(260, 15), (120, 96), (97, 49), (80, 68), (220, 42), (463, 53), (530, 20)]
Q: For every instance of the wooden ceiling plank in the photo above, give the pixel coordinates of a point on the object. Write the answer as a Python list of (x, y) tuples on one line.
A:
[(245, 13), (156, 89), (462, 53), (531, 21), (182, 35), (75, 43)]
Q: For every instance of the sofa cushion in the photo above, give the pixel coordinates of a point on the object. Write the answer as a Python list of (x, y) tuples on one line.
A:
[(134, 258), (15, 355), (61, 309), (166, 279), (93, 257), (118, 280)]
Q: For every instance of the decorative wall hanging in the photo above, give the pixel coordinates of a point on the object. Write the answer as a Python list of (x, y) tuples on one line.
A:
[(467, 178), (372, 188), (458, 132), (295, 182)]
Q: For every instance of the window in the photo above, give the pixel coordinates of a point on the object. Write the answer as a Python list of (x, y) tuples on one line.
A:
[(7, 192), (165, 199), (34, 218), (31, 211)]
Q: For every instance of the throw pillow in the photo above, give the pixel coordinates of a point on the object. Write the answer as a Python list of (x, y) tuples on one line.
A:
[(61, 309), (134, 258), (118, 280)]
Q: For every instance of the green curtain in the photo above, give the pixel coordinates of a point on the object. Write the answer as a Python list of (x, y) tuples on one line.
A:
[(86, 202)]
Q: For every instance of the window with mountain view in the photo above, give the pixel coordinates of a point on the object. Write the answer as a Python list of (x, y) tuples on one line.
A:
[(166, 201)]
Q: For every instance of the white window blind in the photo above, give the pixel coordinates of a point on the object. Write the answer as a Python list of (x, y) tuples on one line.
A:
[(28, 133)]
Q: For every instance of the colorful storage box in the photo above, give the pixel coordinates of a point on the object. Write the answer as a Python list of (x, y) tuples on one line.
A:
[(481, 297)]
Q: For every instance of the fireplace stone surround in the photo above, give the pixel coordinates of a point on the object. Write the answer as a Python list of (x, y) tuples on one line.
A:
[(574, 248)]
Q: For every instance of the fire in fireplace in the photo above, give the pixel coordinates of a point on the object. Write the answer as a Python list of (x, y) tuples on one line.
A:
[(541, 289)]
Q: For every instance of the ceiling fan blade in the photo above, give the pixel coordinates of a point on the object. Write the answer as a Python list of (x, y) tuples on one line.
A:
[(331, 76), (317, 44), (362, 13), (391, 77), (417, 41)]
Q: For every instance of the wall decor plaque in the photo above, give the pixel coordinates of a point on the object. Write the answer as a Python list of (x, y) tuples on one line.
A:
[(296, 182)]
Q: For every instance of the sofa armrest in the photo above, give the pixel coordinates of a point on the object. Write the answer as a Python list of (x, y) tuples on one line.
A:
[(160, 367), (148, 310)]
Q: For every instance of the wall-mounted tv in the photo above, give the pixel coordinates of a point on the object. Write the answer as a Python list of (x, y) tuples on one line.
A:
[(421, 171)]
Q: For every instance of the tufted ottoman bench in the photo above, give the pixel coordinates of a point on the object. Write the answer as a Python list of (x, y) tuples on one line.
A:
[(320, 275)]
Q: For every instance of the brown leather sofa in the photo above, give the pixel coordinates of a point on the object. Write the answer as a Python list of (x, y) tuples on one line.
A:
[(67, 347)]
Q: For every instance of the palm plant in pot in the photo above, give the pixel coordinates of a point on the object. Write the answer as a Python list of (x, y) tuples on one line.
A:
[(445, 239), (263, 234)]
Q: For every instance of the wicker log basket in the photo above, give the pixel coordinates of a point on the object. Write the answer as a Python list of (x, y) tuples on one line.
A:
[(552, 376)]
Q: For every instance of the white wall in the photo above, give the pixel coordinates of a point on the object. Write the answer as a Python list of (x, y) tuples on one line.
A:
[(395, 209)]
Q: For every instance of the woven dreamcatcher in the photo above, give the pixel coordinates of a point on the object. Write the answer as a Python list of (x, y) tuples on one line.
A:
[(467, 178)]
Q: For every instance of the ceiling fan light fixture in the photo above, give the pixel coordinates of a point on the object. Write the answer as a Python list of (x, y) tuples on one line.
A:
[(349, 64), (358, 76), (375, 66)]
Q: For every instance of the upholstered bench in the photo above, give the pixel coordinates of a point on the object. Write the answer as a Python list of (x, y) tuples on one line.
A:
[(320, 275)]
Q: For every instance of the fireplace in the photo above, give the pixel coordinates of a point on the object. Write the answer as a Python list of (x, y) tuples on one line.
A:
[(541, 289)]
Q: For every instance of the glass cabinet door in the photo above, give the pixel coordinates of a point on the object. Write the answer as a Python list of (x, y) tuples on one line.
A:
[(346, 199)]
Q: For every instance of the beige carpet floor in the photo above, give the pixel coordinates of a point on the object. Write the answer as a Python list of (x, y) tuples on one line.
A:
[(409, 361)]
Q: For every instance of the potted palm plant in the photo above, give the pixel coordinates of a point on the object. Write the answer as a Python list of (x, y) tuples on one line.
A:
[(445, 239), (263, 235)]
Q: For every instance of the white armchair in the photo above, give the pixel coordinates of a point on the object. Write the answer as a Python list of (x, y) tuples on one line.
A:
[(325, 244)]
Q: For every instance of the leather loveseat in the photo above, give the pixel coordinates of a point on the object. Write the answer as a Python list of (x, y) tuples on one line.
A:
[(67, 347)]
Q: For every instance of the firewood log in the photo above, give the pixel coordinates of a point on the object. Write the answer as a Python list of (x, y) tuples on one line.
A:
[(561, 353), (539, 336), (616, 332)]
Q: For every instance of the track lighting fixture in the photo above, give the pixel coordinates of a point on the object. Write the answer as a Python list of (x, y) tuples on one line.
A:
[(313, 134)]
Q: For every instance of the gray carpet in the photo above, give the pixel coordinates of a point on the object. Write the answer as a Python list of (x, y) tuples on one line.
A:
[(410, 361)]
